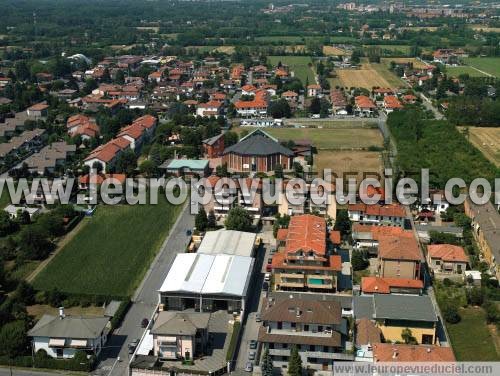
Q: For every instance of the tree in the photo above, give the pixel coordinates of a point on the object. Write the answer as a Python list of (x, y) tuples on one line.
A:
[(147, 168), (278, 171), (126, 162), (230, 138), (34, 242), (407, 336), (315, 106), (358, 260), (279, 109), (267, 363), (7, 226), (294, 362), (119, 77), (238, 219), (475, 296), (298, 169), (24, 293), (13, 339), (201, 220), (212, 221), (450, 314), (343, 223)]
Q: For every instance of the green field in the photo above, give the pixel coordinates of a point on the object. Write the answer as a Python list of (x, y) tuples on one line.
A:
[(489, 65), (110, 255), (457, 71), (329, 139), (300, 65), (284, 39), (391, 50), (470, 338)]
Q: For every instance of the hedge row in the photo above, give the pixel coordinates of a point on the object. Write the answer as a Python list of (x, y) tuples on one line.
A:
[(48, 363), (234, 340), (120, 314)]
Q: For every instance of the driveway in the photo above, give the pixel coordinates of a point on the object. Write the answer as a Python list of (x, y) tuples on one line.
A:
[(145, 299)]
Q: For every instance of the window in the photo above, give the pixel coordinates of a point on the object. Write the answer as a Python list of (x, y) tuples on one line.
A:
[(427, 339), (293, 325), (59, 353)]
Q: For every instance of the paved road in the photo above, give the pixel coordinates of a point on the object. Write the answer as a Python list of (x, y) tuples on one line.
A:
[(429, 106), (145, 299)]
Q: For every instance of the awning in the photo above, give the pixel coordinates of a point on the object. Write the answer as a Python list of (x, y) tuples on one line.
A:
[(57, 342), (78, 343)]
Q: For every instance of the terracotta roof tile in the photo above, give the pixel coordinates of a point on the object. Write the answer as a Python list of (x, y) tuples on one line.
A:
[(386, 352), (447, 252)]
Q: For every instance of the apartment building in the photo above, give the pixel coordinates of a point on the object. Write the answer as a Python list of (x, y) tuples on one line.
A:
[(307, 261), (316, 328)]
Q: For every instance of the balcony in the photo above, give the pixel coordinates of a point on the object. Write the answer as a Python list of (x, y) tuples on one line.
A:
[(314, 354), (300, 333)]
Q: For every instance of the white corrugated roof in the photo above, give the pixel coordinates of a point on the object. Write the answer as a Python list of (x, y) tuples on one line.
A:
[(209, 274), (229, 242)]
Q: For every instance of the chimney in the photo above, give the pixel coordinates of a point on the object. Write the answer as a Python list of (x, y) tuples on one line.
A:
[(61, 313)]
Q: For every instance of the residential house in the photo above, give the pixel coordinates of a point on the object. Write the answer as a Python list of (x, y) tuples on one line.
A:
[(447, 259), (379, 285), (391, 103), (82, 125), (376, 214), (290, 96), (399, 257), (313, 90), (49, 157), (212, 108), (316, 328), (364, 106), (393, 313), (38, 111), (180, 335), (339, 102), (86, 181), (366, 237), (307, 262), (486, 230), (106, 155), (392, 352), (62, 336), (213, 147)]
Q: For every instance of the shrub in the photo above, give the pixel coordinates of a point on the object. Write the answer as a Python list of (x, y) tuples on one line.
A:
[(450, 314), (120, 314)]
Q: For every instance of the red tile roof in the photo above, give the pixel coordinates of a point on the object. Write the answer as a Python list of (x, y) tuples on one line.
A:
[(399, 248), (256, 103), (282, 234), (390, 210), (391, 101), (372, 285), (210, 104), (335, 237), (307, 233), (290, 94), (98, 179), (362, 101), (387, 352), (447, 252)]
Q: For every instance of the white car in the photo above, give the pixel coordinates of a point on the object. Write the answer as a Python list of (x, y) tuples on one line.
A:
[(267, 277)]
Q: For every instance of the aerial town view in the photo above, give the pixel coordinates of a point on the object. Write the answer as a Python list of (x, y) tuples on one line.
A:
[(240, 187)]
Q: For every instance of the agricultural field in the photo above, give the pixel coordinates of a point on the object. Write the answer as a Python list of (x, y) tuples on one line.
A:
[(224, 49), (390, 50), (477, 347), (300, 65), (329, 139), (489, 65), (331, 123), (334, 51), (487, 140), (457, 71), (486, 29), (417, 64), (341, 162), (108, 256), (368, 76)]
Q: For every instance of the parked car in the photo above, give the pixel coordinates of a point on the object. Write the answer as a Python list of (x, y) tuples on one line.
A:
[(249, 367), (267, 277), (258, 318), (132, 346), (251, 355), (253, 344), (189, 232), (144, 323), (265, 286), (269, 265)]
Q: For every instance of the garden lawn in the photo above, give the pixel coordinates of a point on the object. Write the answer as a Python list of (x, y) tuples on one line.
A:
[(300, 65), (457, 71), (470, 338), (111, 254)]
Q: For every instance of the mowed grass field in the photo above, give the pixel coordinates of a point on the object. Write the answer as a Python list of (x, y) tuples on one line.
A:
[(489, 65), (110, 255), (487, 140), (457, 71), (334, 51), (368, 76), (471, 339), (300, 65), (328, 139), (340, 162)]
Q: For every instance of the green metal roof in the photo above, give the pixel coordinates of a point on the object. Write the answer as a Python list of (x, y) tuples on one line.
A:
[(192, 164)]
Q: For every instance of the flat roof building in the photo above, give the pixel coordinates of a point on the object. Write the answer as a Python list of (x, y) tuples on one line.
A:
[(207, 282), (229, 242)]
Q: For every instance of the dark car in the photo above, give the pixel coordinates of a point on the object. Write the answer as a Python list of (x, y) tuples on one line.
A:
[(189, 232), (265, 286), (253, 344), (132, 346), (144, 323)]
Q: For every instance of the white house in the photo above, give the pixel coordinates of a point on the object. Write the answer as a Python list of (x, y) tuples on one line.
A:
[(212, 108), (14, 211), (61, 336)]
